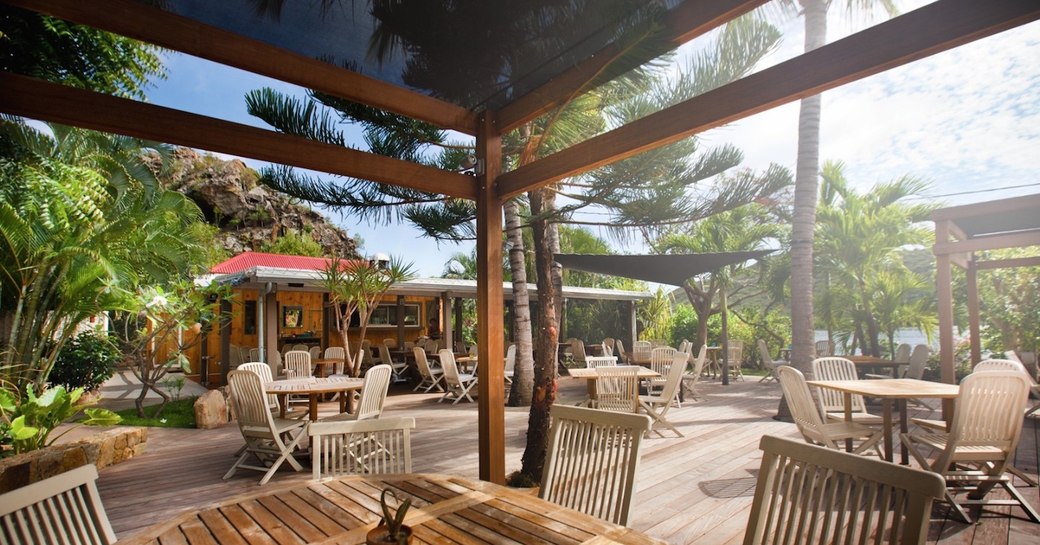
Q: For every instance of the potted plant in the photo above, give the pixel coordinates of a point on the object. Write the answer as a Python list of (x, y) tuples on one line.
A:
[(391, 528)]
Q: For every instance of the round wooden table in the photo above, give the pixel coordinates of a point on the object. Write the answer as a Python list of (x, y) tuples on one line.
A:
[(313, 387)]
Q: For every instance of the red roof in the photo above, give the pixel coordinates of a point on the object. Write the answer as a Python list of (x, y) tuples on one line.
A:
[(248, 260)]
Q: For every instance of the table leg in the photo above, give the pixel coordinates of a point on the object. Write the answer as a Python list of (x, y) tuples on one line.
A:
[(904, 454), (886, 426), (283, 399), (312, 402), (848, 417)]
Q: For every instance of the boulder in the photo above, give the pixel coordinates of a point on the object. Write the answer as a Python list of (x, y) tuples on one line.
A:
[(211, 410)]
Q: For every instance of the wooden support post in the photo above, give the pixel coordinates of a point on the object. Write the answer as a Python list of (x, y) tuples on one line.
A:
[(490, 303), (457, 306), (225, 339), (326, 322), (400, 322), (633, 323), (971, 277), (944, 294), (446, 332), (270, 325)]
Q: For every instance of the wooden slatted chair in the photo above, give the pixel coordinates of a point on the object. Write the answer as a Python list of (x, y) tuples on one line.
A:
[(812, 495), (373, 396), (374, 446), (641, 351), (592, 460), (509, 367), (619, 346), (315, 352), (264, 372), (824, 348), (617, 389), (735, 358), (811, 425), (338, 353), (660, 361), (398, 367), (269, 439), (690, 380), (298, 364), (974, 455), (832, 402), (431, 377), (657, 405), (457, 385), (768, 362), (63, 509)]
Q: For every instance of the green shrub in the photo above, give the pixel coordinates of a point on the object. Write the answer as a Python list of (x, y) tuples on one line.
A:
[(26, 423), (85, 362)]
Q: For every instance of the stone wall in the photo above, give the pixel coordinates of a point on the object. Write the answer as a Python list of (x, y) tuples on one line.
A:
[(103, 449)]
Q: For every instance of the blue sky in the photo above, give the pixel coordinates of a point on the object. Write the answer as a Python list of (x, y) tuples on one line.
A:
[(965, 120)]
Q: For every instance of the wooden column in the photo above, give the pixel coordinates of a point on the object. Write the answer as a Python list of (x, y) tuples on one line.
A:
[(633, 322), (326, 322), (400, 323), (270, 325), (490, 303), (971, 277), (944, 295), (225, 339), (457, 306), (446, 333)]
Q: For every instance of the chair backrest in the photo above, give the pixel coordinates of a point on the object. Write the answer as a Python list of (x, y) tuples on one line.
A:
[(373, 392), (255, 354), (698, 362), (390, 342), (918, 359), (384, 355), (736, 352), (350, 447), (661, 359), (902, 354), (674, 376), (303, 347), (835, 368), (63, 509), (315, 352), (999, 365), (800, 401), (988, 413), (641, 350), (578, 352), (422, 363), (337, 352), (430, 346), (250, 400), (1012, 355), (763, 352), (824, 348), (264, 372), (620, 347), (299, 362), (592, 363), (807, 495), (451, 370), (510, 363), (592, 459), (608, 346), (617, 388)]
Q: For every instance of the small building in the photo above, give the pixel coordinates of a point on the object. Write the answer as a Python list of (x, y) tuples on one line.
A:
[(279, 300)]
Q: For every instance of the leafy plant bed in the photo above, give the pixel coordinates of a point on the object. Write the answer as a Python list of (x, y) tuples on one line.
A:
[(179, 413)]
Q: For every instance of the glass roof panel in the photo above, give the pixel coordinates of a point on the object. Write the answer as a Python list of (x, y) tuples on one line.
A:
[(474, 53)]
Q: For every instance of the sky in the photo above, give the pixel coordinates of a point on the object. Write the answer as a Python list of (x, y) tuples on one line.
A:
[(967, 121)]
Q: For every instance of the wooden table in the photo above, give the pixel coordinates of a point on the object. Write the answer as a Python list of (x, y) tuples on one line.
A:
[(322, 364), (313, 387), (898, 389), (590, 374), (871, 362), (445, 509)]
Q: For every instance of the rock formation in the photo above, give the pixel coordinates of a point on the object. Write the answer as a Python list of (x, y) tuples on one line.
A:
[(248, 214)]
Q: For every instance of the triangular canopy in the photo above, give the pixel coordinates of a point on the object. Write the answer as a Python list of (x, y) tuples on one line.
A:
[(663, 269)]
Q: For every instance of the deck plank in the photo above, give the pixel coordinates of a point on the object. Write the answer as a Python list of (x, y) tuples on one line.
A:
[(692, 489)]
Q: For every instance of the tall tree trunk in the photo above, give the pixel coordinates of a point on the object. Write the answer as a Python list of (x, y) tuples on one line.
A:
[(523, 379), (873, 331), (803, 223), (545, 374), (701, 303)]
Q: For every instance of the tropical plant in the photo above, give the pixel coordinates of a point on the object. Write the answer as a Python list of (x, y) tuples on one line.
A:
[(357, 287), (393, 521), (293, 242), (1009, 300), (26, 423), (86, 361)]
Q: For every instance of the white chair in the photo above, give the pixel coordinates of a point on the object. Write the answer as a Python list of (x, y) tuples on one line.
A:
[(298, 364), (337, 353), (735, 358), (375, 446), (811, 424), (457, 385), (617, 389), (619, 346), (592, 460), (63, 509), (399, 367), (824, 349), (690, 380), (657, 405), (768, 362), (301, 347), (641, 351), (315, 352), (373, 395), (608, 346), (974, 455), (832, 402), (902, 353), (791, 507), (430, 377), (390, 342), (264, 372), (660, 361), (578, 353), (509, 367), (269, 439)]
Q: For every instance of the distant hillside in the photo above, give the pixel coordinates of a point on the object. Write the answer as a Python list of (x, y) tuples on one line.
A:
[(247, 213)]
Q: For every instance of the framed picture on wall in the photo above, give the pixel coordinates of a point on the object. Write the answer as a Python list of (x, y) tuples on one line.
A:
[(292, 317)]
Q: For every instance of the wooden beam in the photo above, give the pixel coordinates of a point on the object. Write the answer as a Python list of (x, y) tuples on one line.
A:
[(1028, 203), (687, 21), (490, 307), (1008, 263), (936, 27), (37, 99), (992, 242), (140, 21)]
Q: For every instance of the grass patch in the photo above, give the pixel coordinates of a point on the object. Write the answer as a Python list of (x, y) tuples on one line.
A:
[(179, 413)]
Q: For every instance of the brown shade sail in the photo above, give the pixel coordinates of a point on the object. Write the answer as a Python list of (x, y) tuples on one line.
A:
[(663, 269)]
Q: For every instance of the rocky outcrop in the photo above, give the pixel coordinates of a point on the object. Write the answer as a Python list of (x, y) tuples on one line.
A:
[(248, 214)]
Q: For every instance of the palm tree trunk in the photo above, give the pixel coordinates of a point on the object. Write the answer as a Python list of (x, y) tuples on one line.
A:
[(523, 378)]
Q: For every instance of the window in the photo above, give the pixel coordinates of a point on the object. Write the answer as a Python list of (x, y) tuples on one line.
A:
[(249, 315), (385, 315)]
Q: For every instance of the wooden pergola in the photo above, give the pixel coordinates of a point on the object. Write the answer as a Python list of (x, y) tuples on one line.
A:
[(937, 27), (960, 231)]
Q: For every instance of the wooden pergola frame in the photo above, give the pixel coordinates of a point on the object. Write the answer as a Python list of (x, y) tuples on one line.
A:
[(934, 28), (956, 245)]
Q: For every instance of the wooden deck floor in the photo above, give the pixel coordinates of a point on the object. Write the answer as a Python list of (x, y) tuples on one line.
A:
[(695, 489)]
